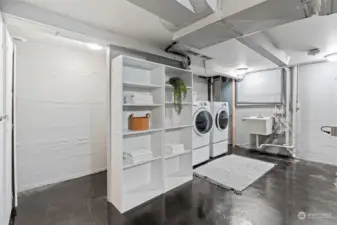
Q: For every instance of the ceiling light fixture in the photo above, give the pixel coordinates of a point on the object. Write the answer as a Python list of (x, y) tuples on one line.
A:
[(94, 46), (331, 57)]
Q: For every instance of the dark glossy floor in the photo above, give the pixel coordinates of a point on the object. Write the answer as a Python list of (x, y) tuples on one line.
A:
[(294, 192)]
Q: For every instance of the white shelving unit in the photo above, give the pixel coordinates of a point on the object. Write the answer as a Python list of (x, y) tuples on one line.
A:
[(131, 184)]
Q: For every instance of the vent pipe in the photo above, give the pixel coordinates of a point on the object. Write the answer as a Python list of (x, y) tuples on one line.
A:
[(318, 7)]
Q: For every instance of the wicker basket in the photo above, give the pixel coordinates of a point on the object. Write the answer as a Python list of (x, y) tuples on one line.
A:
[(139, 123)]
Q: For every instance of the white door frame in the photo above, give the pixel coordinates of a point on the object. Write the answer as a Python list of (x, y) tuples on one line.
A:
[(6, 166)]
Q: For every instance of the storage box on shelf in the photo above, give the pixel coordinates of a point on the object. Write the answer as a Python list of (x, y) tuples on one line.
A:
[(156, 119), (136, 159)]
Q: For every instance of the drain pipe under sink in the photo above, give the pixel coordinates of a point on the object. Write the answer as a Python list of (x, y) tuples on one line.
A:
[(287, 145)]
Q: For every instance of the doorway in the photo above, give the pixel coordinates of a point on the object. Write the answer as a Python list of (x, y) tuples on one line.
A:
[(7, 187)]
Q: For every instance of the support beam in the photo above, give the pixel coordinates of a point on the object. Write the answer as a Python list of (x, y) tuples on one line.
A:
[(213, 69), (260, 43), (225, 9), (32, 17)]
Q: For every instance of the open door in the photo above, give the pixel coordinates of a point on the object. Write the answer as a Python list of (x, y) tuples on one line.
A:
[(6, 125)]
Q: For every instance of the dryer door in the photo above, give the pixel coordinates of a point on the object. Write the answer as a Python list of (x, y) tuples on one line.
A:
[(221, 120), (203, 122)]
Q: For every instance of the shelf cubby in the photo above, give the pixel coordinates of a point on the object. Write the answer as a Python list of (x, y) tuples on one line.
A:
[(141, 111), (173, 119), (142, 183), (185, 75), (178, 170), (169, 95), (141, 72), (130, 165), (149, 141), (180, 136)]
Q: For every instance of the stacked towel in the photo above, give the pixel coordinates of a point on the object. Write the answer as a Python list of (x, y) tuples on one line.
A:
[(174, 149), (138, 98), (137, 156)]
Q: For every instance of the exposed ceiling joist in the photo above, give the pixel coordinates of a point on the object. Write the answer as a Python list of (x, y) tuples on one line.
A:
[(239, 18), (264, 46)]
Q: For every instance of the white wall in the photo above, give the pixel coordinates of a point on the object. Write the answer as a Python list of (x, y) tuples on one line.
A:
[(61, 113), (318, 107), (200, 86), (244, 138)]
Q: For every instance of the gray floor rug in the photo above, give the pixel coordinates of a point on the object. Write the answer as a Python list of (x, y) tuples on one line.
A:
[(233, 172)]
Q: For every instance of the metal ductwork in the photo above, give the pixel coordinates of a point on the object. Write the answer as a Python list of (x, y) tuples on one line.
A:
[(318, 7), (199, 6), (180, 13), (204, 23)]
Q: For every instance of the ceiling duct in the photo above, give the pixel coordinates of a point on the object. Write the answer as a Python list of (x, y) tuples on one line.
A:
[(246, 18), (179, 12), (318, 7), (203, 23), (199, 6)]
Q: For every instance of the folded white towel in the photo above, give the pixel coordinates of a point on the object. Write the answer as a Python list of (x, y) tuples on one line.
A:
[(138, 157), (174, 148), (136, 160), (138, 97), (138, 153)]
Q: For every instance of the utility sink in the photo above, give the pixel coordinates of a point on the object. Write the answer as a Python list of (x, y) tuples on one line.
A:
[(259, 125)]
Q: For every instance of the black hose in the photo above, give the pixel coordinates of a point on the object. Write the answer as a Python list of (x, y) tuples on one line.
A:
[(188, 59), (325, 131)]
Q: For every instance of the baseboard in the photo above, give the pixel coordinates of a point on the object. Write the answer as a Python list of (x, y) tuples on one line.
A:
[(58, 180)]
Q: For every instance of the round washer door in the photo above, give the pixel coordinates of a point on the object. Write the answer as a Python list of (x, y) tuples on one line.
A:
[(203, 121), (221, 120)]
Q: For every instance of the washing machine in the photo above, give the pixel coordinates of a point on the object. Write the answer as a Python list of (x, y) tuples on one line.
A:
[(219, 134), (203, 125)]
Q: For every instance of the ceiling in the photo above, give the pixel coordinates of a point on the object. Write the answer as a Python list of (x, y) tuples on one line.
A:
[(299, 37), (31, 36), (121, 17), (233, 54), (118, 16)]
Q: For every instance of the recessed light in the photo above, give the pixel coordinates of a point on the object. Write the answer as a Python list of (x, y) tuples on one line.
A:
[(94, 46), (241, 71), (331, 57)]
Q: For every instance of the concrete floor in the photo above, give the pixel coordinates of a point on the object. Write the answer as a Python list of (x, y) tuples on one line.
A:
[(292, 193)]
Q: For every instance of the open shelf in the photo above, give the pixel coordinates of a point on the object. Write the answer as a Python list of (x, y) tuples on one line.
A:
[(169, 86), (140, 73), (142, 183), (175, 127), (155, 120), (130, 165), (141, 85), (175, 180), (131, 132), (178, 170), (177, 154), (142, 105), (141, 195), (173, 120), (183, 103)]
